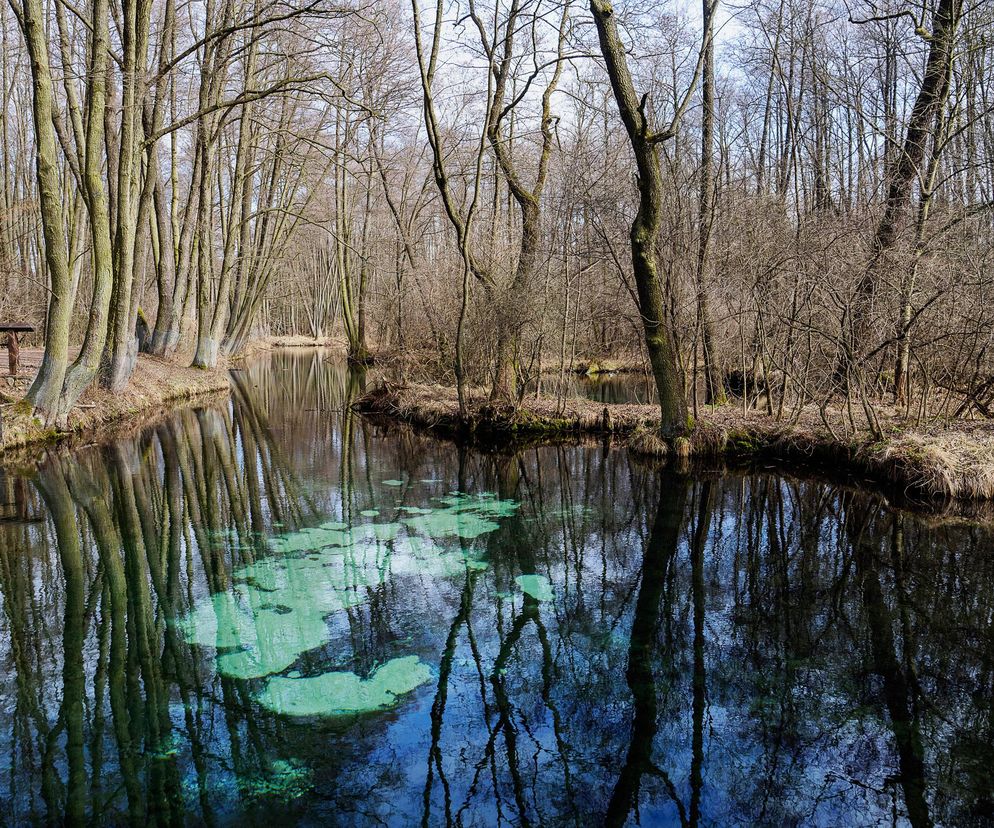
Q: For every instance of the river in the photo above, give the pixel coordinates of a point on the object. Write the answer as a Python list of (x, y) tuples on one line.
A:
[(269, 611)]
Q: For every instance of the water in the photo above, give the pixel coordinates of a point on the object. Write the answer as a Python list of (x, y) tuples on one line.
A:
[(269, 612), (603, 388)]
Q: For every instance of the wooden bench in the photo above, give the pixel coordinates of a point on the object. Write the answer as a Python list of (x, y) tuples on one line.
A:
[(12, 329)]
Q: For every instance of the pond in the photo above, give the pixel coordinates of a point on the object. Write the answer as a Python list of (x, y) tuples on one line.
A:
[(268, 611)]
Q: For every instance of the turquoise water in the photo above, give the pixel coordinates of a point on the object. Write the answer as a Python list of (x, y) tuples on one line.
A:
[(269, 611)]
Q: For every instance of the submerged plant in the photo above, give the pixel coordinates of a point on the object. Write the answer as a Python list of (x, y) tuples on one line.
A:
[(278, 608), (537, 586), (343, 693), (285, 780)]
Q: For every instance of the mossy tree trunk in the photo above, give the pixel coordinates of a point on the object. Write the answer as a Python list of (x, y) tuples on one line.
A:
[(59, 385), (659, 338), (46, 389), (132, 199), (84, 369), (209, 296)]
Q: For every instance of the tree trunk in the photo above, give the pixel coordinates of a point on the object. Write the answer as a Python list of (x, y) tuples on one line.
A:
[(903, 174), (714, 387), (644, 236), (46, 389)]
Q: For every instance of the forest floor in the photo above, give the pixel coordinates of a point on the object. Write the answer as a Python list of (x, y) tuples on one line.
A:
[(946, 460)]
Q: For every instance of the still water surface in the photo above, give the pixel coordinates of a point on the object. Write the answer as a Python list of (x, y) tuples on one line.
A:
[(268, 612), (635, 388)]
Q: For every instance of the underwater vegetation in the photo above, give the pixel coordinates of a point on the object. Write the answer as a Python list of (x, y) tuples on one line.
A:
[(278, 607)]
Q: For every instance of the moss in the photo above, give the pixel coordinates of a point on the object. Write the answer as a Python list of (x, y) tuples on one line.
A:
[(22, 408), (741, 442)]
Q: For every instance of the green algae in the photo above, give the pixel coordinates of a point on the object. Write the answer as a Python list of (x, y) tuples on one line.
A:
[(448, 523), (393, 482), (277, 613), (385, 531), (462, 516), (345, 693), (422, 557), (217, 621), (285, 780), (486, 504), (537, 586), (369, 512), (279, 606), (333, 524), (279, 639), (315, 538)]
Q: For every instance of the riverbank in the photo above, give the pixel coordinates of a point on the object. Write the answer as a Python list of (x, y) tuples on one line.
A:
[(273, 343), (948, 461), (156, 383)]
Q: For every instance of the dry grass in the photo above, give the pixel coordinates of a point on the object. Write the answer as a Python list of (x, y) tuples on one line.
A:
[(956, 464), (155, 384), (647, 441), (271, 343), (953, 462)]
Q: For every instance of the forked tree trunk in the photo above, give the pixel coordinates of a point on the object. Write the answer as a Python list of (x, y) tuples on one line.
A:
[(659, 339)]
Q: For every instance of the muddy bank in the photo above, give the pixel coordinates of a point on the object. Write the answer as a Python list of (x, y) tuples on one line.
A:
[(946, 462)]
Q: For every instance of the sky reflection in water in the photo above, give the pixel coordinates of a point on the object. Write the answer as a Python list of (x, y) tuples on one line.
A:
[(269, 611)]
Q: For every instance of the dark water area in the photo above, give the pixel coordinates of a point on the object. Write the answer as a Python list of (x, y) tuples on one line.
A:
[(269, 611), (629, 388)]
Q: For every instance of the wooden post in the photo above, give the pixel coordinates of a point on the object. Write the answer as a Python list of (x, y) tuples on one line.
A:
[(13, 352)]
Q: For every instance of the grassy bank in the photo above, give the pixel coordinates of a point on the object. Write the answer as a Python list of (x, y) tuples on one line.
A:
[(954, 461), (155, 384)]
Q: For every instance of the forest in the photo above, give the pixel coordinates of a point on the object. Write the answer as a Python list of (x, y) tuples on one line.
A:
[(497, 412), (784, 204)]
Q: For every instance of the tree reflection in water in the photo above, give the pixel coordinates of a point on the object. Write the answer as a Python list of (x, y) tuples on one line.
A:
[(738, 649)]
